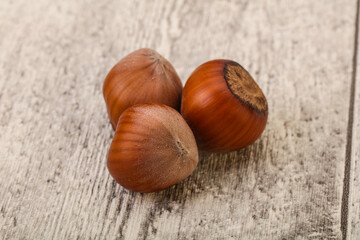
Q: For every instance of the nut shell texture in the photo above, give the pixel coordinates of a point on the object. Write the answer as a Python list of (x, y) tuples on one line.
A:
[(153, 148), (224, 106), (140, 77)]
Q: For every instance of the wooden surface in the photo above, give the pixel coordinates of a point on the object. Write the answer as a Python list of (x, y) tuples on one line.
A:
[(354, 152), (300, 180)]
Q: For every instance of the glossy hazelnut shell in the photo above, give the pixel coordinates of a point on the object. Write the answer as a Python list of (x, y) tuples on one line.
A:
[(153, 148), (224, 106), (140, 77)]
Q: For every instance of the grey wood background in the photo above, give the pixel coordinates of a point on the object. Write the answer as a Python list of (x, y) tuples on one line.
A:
[(300, 180)]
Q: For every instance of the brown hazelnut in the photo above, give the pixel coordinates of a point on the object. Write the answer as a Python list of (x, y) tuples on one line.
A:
[(224, 106), (153, 148), (140, 77)]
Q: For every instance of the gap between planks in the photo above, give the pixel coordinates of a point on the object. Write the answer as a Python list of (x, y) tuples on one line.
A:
[(349, 136)]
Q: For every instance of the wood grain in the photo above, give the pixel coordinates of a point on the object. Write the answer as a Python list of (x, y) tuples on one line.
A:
[(354, 201), (353, 225), (54, 131)]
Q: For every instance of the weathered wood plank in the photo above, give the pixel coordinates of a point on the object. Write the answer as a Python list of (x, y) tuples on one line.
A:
[(354, 201), (354, 154), (54, 132)]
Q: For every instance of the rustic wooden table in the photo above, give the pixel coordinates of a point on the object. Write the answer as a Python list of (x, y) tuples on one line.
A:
[(300, 180)]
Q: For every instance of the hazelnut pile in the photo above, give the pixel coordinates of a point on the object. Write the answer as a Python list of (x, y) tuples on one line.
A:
[(154, 146)]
